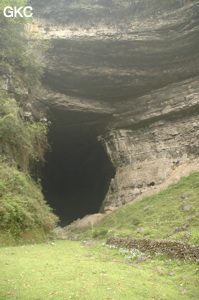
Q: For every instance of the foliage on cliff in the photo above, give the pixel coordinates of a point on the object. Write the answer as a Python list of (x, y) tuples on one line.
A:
[(21, 143), (22, 207), (23, 212)]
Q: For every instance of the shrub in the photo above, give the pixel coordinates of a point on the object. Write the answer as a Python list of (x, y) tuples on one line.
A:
[(22, 206)]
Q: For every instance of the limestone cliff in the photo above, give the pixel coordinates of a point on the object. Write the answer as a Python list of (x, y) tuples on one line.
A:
[(148, 143), (130, 69)]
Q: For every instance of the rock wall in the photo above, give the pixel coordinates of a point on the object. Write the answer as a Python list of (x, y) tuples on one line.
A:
[(159, 133), (112, 51), (170, 248), (133, 65)]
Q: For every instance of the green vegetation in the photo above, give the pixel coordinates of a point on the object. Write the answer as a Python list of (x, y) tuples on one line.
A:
[(156, 216), (24, 215), (22, 208), (73, 270), (21, 142), (65, 269)]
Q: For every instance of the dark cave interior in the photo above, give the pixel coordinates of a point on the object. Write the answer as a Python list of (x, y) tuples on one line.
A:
[(77, 172)]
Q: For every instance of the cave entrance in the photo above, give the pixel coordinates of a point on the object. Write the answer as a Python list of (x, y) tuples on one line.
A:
[(78, 171)]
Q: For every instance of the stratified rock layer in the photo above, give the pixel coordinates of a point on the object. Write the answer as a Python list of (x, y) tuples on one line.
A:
[(118, 50), (133, 66), (148, 145)]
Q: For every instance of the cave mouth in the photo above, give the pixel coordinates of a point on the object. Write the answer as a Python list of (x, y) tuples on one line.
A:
[(77, 172)]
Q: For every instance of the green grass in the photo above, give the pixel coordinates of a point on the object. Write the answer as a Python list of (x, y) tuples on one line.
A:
[(165, 212), (75, 270), (90, 270)]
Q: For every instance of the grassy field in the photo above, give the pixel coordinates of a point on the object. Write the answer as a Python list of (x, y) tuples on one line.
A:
[(86, 270), (156, 216), (91, 270)]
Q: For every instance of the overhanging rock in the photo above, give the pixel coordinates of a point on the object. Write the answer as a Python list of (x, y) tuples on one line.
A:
[(127, 71)]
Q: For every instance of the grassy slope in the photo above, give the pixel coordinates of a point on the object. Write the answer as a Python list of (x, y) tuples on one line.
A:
[(165, 212), (24, 215), (74, 270)]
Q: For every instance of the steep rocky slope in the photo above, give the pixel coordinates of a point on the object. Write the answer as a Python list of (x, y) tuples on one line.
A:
[(127, 74)]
